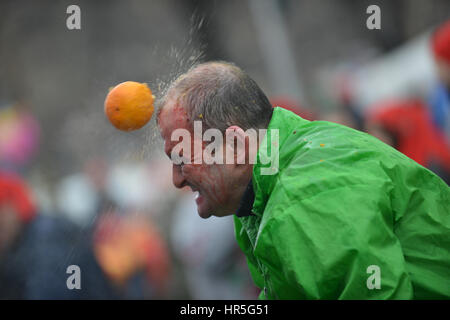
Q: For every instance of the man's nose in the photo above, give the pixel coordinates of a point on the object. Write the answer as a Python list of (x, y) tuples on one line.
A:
[(177, 176)]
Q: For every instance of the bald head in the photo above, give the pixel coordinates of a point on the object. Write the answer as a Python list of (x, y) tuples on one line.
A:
[(220, 95)]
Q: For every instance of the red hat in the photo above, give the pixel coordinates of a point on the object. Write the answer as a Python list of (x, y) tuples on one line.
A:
[(440, 42), (15, 193)]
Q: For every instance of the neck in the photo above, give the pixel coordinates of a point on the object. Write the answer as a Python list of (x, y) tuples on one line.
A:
[(241, 186)]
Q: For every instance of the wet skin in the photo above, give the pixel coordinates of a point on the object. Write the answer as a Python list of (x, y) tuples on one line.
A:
[(220, 187)]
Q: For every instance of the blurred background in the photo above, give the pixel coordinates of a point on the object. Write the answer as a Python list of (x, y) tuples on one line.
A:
[(76, 191)]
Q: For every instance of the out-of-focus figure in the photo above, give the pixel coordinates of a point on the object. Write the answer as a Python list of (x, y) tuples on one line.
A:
[(114, 205), (16, 208), (419, 129), (440, 97), (77, 199), (133, 255), (36, 250), (19, 136), (407, 126)]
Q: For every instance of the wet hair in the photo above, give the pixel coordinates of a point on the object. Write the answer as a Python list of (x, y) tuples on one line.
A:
[(220, 95)]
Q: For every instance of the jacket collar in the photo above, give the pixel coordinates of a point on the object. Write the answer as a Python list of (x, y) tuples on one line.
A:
[(286, 124), (246, 204)]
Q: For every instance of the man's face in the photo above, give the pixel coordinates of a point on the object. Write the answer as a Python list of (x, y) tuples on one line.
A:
[(219, 186)]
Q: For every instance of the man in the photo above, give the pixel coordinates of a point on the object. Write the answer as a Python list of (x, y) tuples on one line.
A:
[(342, 216)]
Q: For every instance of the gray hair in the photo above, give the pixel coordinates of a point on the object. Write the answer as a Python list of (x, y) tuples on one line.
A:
[(220, 94)]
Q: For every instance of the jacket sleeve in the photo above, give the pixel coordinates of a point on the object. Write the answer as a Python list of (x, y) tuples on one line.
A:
[(336, 241)]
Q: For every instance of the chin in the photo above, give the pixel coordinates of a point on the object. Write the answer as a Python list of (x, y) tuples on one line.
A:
[(203, 208), (204, 212), (204, 215), (206, 209)]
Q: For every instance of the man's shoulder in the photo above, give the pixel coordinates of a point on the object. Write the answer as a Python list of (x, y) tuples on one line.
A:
[(322, 142)]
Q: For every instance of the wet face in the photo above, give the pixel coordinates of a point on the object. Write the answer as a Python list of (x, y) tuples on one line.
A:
[(219, 187)]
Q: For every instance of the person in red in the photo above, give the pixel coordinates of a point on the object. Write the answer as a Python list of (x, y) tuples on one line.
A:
[(16, 209), (408, 127)]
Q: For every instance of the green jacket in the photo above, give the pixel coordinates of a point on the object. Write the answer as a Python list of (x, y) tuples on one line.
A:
[(343, 210)]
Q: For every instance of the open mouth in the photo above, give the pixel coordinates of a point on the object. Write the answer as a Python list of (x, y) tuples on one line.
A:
[(197, 195), (195, 191)]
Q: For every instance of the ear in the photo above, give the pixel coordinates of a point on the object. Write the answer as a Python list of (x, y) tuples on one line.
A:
[(236, 145)]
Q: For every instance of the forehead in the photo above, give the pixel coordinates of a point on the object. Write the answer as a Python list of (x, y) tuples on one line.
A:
[(172, 116)]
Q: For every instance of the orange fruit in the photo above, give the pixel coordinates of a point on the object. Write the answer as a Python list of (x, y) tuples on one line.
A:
[(129, 105)]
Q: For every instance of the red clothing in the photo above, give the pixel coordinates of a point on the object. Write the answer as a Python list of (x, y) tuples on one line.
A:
[(440, 42), (14, 193), (417, 138)]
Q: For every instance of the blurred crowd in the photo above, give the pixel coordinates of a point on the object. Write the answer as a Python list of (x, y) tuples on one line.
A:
[(134, 236), (418, 125)]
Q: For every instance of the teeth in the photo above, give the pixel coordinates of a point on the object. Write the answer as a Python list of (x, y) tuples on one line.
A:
[(197, 194)]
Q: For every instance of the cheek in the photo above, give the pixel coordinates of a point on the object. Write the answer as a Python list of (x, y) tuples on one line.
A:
[(194, 173), (211, 179)]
